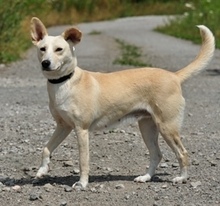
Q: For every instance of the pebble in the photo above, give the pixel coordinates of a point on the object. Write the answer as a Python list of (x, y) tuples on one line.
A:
[(213, 163), (195, 162), (63, 203), (75, 171), (164, 186), (68, 163), (164, 165), (34, 196), (48, 187), (7, 189), (120, 186), (67, 188), (93, 190), (17, 188), (175, 165), (195, 184), (127, 197)]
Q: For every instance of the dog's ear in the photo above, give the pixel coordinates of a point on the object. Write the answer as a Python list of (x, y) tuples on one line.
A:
[(73, 35), (38, 30)]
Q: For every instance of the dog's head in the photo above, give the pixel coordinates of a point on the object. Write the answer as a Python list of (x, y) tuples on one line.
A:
[(56, 53)]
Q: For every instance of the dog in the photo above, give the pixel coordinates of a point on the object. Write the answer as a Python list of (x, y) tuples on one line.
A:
[(84, 100)]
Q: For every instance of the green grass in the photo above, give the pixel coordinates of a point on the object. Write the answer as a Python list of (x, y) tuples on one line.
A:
[(201, 12), (15, 17), (95, 32), (130, 55)]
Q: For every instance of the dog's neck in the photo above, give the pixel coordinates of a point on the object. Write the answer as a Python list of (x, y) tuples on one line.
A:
[(61, 79)]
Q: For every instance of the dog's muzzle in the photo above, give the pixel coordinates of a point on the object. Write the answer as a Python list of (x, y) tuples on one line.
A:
[(46, 65)]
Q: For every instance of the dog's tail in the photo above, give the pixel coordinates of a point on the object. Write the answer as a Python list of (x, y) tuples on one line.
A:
[(205, 55)]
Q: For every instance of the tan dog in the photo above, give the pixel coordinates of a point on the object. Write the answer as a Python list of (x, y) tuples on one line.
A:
[(84, 100)]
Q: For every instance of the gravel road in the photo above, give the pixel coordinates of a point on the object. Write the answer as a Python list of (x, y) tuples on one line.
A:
[(119, 155)]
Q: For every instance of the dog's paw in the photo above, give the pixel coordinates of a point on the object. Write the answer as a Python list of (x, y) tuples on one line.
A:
[(179, 180), (142, 179), (79, 186), (42, 171)]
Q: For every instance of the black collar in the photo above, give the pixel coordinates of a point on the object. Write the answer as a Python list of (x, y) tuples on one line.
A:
[(61, 79)]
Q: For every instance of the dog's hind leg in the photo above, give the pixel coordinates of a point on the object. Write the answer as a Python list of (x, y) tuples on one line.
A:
[(58, 136), (150, 134), (170, 132)]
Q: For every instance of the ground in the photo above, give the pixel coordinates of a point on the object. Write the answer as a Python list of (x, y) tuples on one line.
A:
[(118, 155)]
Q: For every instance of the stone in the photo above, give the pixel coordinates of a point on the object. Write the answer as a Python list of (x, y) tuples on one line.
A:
[(119, 186), (63, 203), (68, 163), (195, 162), (75, 171), (164, 165), (195, 184), (68, 188), (48, 187), (164, 186), (175, 165), (127, 197), (34, 196), (17, 188)]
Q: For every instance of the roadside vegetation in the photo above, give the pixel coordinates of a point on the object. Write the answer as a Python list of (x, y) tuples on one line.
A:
[(15, 17), (206, 12), (130, 55)]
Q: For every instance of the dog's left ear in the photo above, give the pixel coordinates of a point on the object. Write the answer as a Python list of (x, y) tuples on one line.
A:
[(73, 35), (38, 30)]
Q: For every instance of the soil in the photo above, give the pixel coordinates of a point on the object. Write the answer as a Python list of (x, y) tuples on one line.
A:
[(117, 155)]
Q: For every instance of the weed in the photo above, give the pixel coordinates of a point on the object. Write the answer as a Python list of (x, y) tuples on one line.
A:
[(130, 55), (94, 32), (200, 12)]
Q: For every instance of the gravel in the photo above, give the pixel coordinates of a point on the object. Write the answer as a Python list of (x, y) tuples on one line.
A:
[(118, 155)]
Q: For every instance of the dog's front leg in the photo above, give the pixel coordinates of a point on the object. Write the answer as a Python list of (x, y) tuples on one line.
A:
[(83, 144), (58, 136)]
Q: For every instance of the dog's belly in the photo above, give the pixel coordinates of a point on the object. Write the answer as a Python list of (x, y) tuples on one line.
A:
[(113, 120)]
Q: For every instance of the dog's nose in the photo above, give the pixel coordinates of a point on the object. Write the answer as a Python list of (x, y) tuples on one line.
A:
[(45, 64)]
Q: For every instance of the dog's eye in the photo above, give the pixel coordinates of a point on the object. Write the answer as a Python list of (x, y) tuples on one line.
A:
[(59, 49), (43, 49)]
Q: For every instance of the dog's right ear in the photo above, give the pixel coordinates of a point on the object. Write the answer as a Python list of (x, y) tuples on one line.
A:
[(73, 35), (38, 30)]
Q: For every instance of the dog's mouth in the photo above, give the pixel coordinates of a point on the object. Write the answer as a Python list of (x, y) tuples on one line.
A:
[(49, 69)]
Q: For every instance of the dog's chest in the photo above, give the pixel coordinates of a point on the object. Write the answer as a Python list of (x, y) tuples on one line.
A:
[(61, 100)]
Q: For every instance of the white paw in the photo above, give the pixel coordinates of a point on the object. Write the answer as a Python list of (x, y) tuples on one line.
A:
[(179, 179), (79, 185), (42, 171), (144, 178)]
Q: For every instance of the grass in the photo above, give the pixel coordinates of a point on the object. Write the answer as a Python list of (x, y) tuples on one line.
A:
[(95, 32), (130, 55), (15, 17), (201, 12)]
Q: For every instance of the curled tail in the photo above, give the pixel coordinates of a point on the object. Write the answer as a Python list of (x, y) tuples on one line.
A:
[(204, 56)]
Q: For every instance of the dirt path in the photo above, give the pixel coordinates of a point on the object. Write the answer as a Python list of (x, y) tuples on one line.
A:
[(116, 156)]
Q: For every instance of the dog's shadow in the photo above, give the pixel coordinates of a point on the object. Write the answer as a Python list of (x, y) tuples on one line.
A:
[(71, 179)]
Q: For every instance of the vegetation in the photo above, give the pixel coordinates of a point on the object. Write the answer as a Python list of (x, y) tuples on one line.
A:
[(206, 12), (15, 16), (130, 55)]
